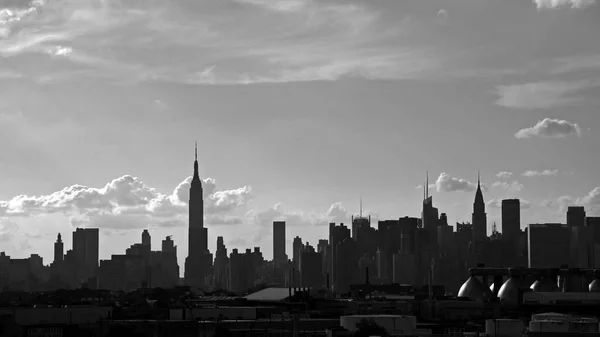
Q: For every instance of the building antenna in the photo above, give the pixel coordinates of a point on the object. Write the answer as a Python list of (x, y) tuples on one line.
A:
[(196, 151), (360, 214), (427, 185)]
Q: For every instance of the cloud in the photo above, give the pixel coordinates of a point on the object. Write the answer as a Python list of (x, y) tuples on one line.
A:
[(448, 183), (544, 4), (544, 173), (294, 40), (504, 175), (541, 95), (514, 186), (590, 201), (127, 202), (497, 203), (335, 213), (550, 128)]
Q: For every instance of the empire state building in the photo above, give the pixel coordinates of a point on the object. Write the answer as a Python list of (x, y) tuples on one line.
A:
[(199, 260)]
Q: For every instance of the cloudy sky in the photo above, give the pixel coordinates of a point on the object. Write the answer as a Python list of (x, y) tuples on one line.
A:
[(299, 108)]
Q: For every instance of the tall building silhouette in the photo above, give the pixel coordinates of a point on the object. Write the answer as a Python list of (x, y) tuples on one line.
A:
[(199, 259), (58, 250), (511, 220), (146, 239), (576, 216), (479, 218), (85, 251), (279, 256)]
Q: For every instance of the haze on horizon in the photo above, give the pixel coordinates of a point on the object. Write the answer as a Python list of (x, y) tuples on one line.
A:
[(299, 108)]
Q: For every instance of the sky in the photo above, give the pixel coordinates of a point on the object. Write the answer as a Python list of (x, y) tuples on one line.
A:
[(299, 107)]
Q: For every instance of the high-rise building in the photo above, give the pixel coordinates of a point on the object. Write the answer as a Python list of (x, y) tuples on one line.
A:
[(311, 267), (221, 264), (58, 250), (297, 247), (479, 216), (429, 220), (86, 253), (511, 220), (199, 259), (171, 266), (576, 216), (279, 255), (146, 240), (337, 234)]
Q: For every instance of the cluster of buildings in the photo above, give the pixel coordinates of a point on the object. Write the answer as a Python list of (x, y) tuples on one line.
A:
[(414, 251)]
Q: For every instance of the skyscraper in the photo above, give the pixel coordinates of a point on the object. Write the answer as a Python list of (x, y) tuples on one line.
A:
[(479, 218), (146, 240), (199, 259), (279, 256), (576, 216), (58, 250), (86, 250), (511, 220)]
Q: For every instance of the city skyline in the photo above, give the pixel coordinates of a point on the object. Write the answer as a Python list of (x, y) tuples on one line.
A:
[(281, 120)]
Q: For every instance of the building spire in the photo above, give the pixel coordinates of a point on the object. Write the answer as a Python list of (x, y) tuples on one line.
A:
[(360, 214), (478, 193), (196, 176), (427, 184)]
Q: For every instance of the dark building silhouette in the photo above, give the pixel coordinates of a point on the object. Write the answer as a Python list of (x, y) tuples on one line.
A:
[(311, 267), (359, 222), (479, 217), (85, 254), (146, 239), (576, 216), (199, 260), (221, 267), (58, 250), (279, 255), (511, 220), (337, 234), (242, 269), (346, 265)]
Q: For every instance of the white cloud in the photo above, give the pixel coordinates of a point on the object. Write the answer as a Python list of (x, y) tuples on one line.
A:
[(126, 202), (448, 183), (504, 175), (514, 186), (544, 173), (541, 4), (550, 128), (591, 202), (335, 213)]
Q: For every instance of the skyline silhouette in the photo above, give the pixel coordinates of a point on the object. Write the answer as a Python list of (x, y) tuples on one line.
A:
[(218, 200)]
